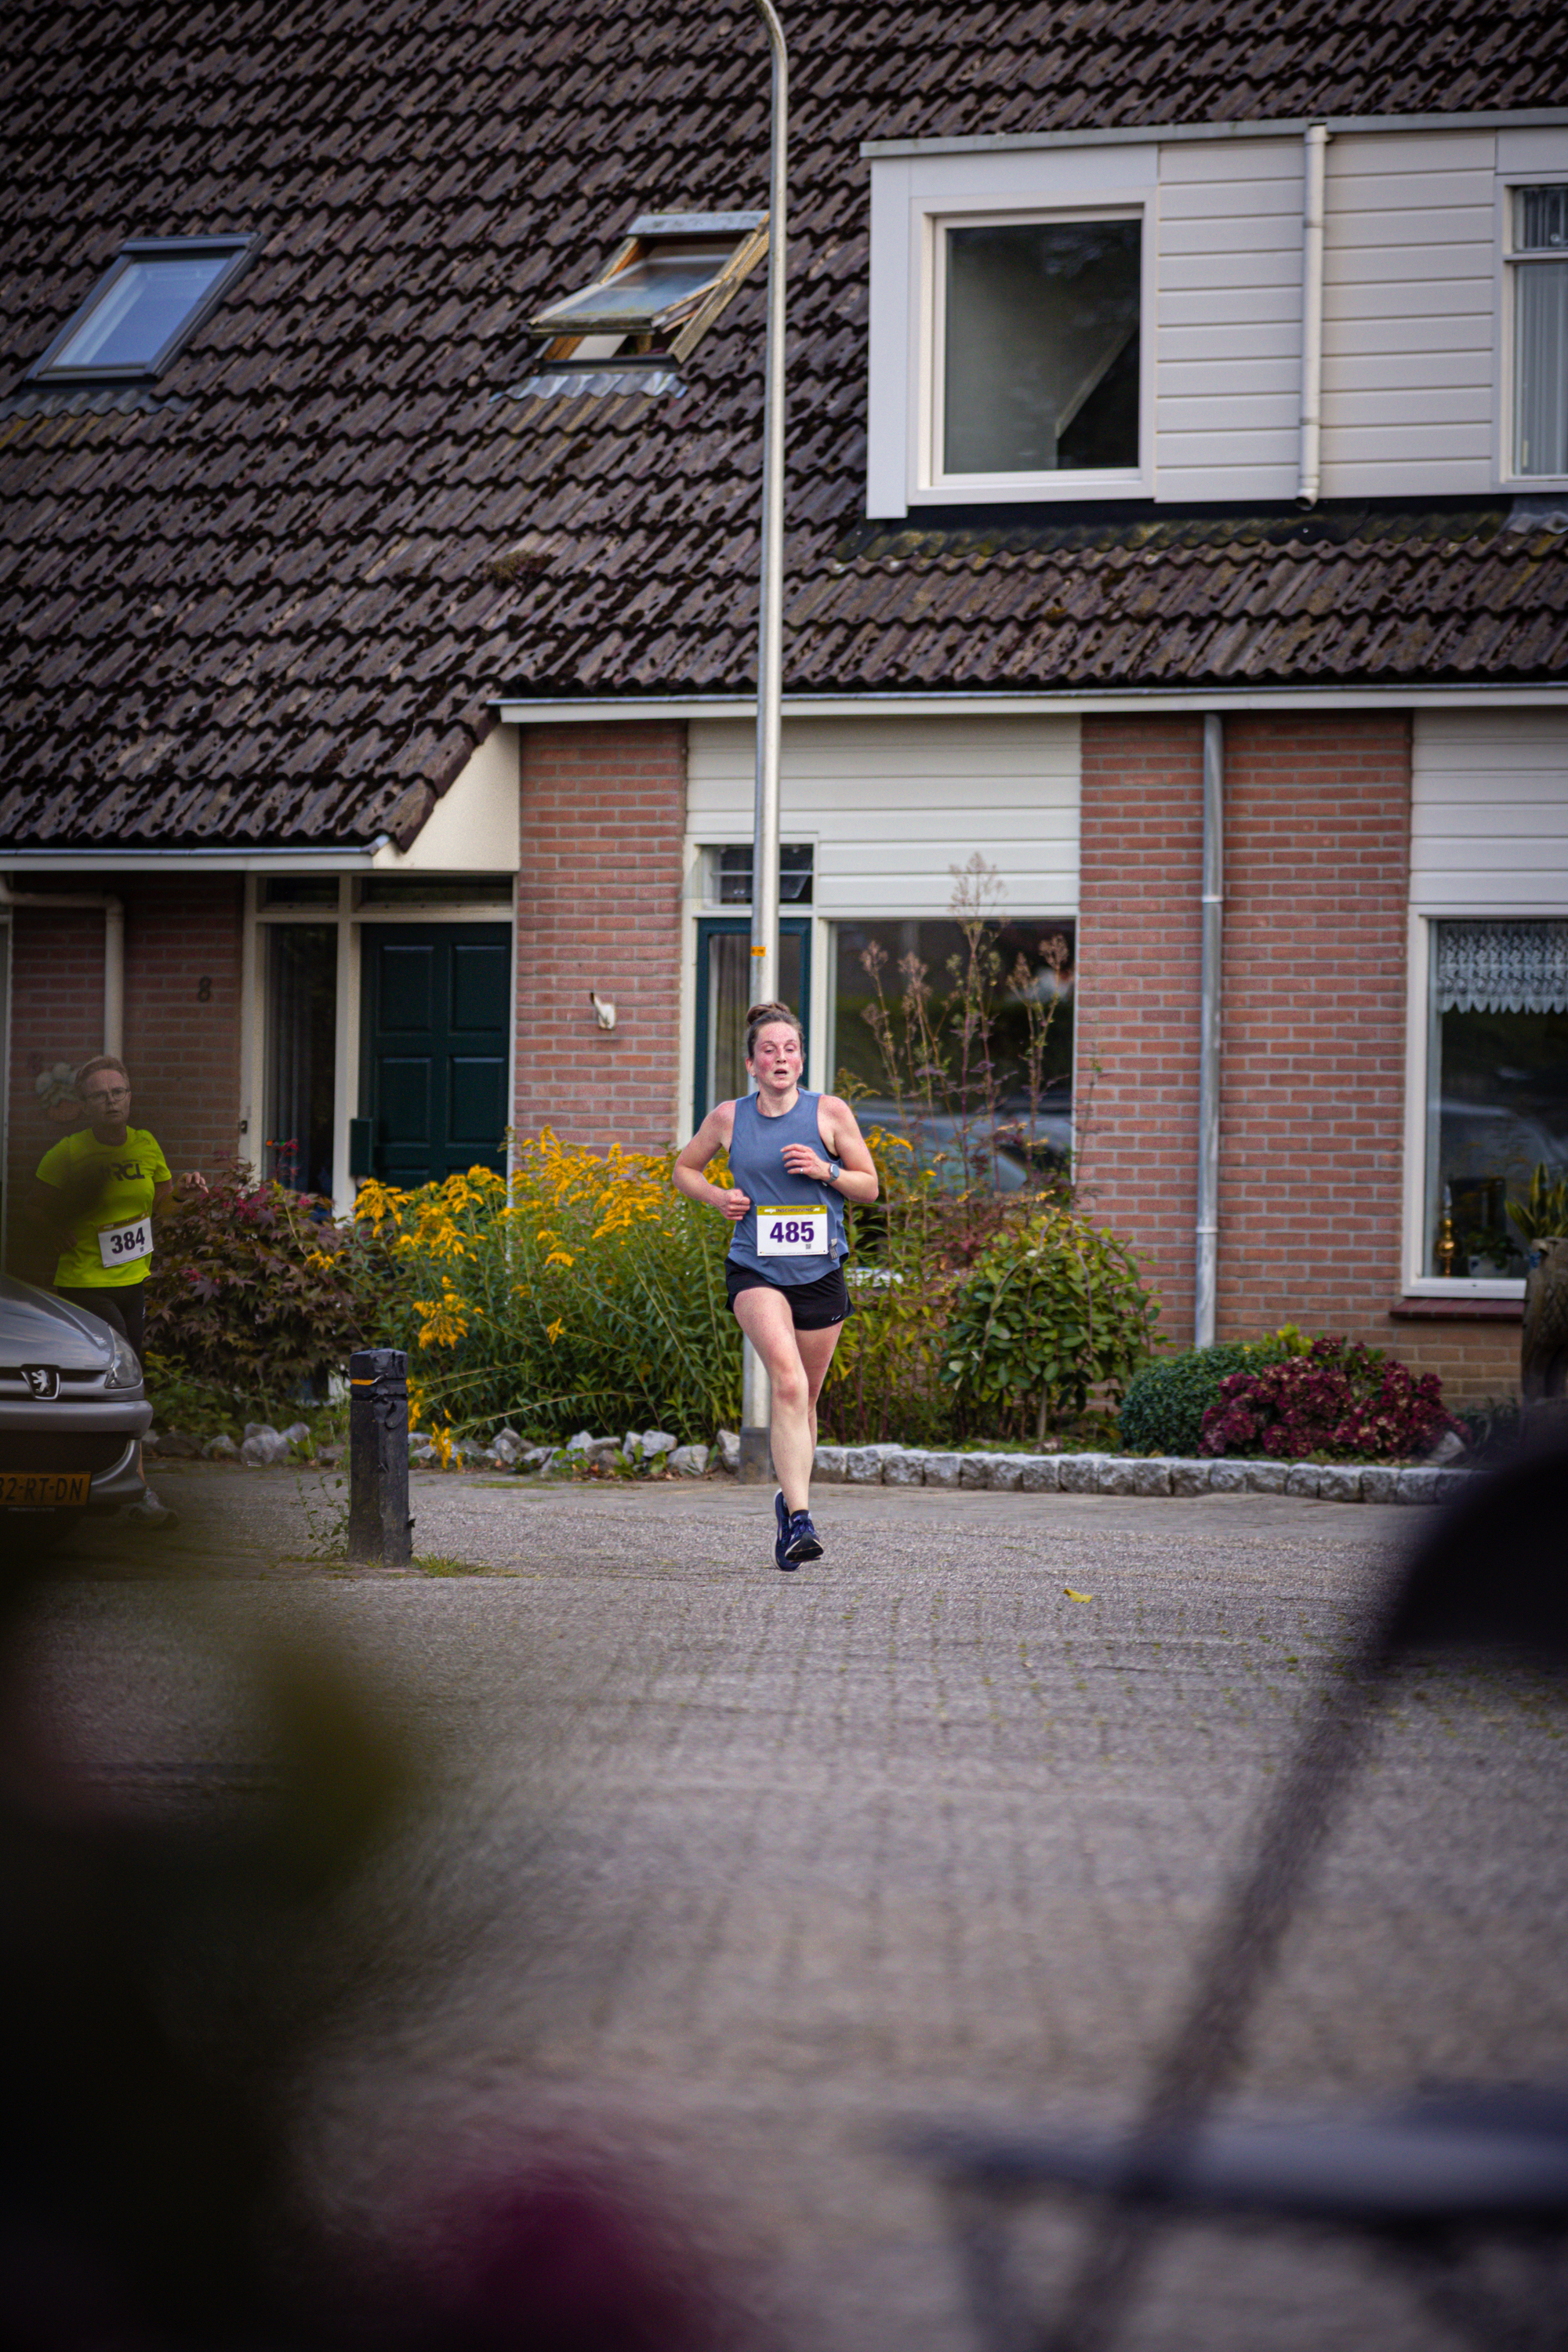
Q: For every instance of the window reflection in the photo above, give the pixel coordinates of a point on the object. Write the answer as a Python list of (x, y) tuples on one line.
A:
[(1497, 1106)]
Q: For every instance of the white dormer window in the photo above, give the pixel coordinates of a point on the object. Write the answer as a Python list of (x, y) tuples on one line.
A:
[(1035, 348), (1539, 267)]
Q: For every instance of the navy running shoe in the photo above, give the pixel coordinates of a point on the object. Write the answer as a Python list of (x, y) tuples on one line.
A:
[(803, 1541), (781, 1542)]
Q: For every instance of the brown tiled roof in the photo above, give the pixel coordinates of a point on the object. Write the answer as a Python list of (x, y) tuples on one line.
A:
[(269, 600)]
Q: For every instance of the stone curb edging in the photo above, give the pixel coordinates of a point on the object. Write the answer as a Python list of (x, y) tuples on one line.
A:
[(1117, 1474)]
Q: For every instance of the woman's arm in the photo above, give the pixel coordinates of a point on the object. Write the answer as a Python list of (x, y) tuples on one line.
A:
[(857, 1168), (712, 1136)]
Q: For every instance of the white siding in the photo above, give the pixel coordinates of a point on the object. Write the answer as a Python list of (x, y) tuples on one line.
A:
[(1409, 293), (1229, 320), (1489, 820), (891, 804)]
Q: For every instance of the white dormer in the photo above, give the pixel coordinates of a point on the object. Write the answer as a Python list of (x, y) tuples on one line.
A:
[(1115, 315)]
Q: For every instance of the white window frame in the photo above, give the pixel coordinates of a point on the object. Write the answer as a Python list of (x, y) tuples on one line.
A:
[(930, 480), (1417, 1284), (1507, 269)]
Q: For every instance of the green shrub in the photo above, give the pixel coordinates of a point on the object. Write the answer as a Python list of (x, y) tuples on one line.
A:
[(1162, 1412), (1053, 1309), (254, 1289)]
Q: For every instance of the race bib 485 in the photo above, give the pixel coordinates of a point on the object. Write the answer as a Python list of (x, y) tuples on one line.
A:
[(792, 1232)]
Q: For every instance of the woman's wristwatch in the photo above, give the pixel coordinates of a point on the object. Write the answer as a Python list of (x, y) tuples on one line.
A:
[(835, 1170)]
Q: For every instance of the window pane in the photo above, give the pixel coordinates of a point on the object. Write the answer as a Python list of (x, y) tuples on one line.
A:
[(1541, 365), (733, 868), (1041, 365), (647, 287), (1497, 1084), (1022, 1134), (302, 1030), (728, 994), (144, 306), (1540, 220)]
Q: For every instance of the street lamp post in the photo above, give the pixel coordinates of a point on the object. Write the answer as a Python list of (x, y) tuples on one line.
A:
[(754, 1400)]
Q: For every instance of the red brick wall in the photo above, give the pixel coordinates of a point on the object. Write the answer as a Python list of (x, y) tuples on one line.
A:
[(1140, 947), (1316, 827), (182, 1048), (603, 814), (1317, 865)]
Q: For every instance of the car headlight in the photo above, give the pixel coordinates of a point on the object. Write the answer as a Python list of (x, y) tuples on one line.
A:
[(125, 1372)]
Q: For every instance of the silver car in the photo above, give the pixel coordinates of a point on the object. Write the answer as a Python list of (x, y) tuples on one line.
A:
[(72, 1413)]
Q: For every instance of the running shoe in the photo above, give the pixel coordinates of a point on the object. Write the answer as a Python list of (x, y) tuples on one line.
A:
[(803, 1541), (781, 1541)]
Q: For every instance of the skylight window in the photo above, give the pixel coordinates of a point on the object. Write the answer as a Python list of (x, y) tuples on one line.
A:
[(671, 276), (154, 295)]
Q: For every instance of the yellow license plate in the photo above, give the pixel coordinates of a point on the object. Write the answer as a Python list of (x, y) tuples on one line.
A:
[(43, 1490)]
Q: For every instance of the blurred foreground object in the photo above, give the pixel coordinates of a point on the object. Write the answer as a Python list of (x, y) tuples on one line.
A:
[(1434, 2181), (169, 1975)]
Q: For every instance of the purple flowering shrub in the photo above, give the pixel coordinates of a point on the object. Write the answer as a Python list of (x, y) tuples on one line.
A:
[(1341, 1400)]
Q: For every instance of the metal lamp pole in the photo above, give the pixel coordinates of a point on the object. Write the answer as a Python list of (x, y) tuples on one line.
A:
[(754, 1399)]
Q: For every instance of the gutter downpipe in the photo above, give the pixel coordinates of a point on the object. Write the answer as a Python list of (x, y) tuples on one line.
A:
[(1205, 1282), (755, 1401), (1312, 207), (112, 909)]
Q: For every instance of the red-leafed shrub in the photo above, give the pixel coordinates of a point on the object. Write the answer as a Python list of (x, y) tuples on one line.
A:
[(1342, 1400), (254, 1286)]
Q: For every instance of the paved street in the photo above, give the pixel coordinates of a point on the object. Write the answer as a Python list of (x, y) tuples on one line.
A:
[(745, 1873)]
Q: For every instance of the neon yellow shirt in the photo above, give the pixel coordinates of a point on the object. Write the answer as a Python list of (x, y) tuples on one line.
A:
[(116, 1182)]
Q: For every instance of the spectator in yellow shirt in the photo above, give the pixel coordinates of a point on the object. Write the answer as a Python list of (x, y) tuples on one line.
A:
[(97, 1193)]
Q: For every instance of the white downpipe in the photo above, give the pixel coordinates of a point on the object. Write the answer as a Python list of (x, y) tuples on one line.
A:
[(755, 1401), (1206, 1283), (1316, 141), (112, 909)]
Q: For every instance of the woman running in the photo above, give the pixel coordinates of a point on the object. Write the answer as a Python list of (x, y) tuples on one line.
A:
[(795, 1158)]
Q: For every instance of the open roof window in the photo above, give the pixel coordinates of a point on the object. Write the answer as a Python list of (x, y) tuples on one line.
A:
[(150, 300), (666, 283)]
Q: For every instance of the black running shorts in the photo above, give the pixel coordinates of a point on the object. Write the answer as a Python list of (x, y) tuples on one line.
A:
[(814, 1305)]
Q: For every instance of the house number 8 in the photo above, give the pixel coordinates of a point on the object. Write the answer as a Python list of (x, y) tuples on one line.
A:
[(203, 991)]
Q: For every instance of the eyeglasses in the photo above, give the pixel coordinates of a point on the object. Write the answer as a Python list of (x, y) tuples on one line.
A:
[(107, 1094)]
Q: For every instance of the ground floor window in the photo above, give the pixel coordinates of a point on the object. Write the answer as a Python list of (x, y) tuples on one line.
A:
[(301, 1044), (963, 1036), (1497, 1086), (724, 968)]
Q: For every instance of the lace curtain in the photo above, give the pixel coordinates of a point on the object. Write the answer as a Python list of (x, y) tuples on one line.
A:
[(1502, 967)]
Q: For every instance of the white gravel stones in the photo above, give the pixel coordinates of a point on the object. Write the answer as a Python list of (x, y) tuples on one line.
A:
[(642, 1445), (729, 1446), (221, 1449), (687, 1460), (263, 1445), (1126, 1474), (1078, 1474), (506, 1448)]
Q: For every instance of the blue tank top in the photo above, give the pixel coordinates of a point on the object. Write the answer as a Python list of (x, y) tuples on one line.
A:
[(756, 1165)]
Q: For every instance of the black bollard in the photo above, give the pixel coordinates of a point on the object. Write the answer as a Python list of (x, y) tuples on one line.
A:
[(380, 1530)]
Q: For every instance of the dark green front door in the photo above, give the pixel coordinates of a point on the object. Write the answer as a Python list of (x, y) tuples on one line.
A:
[(434, 1059)]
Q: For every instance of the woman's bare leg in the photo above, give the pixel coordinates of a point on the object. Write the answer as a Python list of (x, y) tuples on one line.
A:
[(765, 1317), (816, 1355)]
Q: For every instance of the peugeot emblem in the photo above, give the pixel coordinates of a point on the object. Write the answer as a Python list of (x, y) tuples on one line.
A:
[(42, 1380)]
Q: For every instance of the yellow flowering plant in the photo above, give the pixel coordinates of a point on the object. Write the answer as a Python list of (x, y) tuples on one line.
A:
[(584, 1291)]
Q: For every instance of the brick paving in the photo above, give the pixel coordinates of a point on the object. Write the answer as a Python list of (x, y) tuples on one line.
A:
[(744, 1874)]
